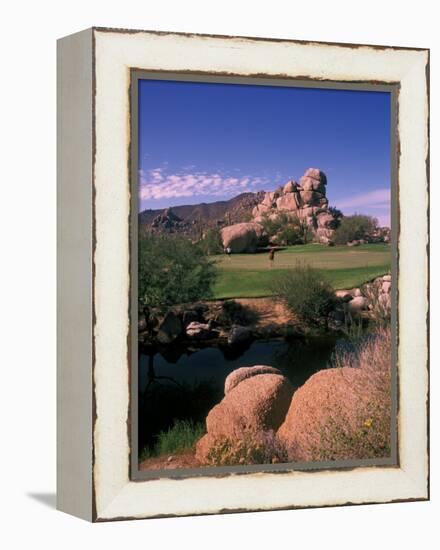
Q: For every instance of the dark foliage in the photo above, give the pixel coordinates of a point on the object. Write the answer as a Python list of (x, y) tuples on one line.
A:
[(235, 313), (172, 271), (306, 293), (358, 226)]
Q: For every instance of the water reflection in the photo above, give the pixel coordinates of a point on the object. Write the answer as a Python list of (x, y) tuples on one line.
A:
[(186, 383), (297, 359)]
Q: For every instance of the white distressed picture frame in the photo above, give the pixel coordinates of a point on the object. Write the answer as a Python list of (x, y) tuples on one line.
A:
[(94, 274)]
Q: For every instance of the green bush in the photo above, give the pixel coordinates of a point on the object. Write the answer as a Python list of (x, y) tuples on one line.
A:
[(172, 270), (272, 225), (306, 293), (354, 227), (289, 229), (289, 235), (181, 437)]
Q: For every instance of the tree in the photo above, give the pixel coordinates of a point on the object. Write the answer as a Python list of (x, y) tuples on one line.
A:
[(337, 214), (172, 270), (358, 226)]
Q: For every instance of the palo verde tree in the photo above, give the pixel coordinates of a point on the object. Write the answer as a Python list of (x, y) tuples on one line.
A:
[(172, 270)]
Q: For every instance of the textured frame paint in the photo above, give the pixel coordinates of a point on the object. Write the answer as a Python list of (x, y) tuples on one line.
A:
[(74, 274), (116, 496)]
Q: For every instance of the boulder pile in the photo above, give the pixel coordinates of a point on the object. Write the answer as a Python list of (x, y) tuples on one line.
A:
[(339, 413), (217, 321), (168, 221), (305, 200), (370, 300)]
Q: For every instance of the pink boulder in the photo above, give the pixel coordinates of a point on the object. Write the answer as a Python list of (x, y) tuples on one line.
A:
[(238, 375), (288, 202), (316, 174), (326, 392), (256, 404), (242, 237)]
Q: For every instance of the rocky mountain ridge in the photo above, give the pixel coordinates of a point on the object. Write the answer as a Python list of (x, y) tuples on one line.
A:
[(253, 220), (194, 219)]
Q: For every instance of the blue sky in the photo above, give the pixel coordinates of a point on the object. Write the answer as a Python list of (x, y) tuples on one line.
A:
[(202, 142)]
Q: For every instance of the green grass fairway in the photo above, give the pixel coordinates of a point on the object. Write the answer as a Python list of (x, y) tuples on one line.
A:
[(250, 276)]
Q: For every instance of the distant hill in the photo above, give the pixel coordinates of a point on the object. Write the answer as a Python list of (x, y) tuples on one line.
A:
[(194, 218)]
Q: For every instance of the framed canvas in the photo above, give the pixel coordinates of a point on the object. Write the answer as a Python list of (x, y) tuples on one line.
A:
[(242, 274)]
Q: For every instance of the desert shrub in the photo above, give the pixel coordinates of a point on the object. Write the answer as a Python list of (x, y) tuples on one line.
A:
[(290, 235), (211, 242), (172, 271), (354, 227), (181, 437), (368, 434), (235, 313), (287, 228), (247, 447), (379, 303), (274, 224), (306, 293), (354, 327)]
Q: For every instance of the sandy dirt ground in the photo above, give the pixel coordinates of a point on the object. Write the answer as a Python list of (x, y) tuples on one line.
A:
[(270, 311), (170, 462)]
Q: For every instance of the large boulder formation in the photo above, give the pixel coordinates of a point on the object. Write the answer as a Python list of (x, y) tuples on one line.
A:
[(243, 237), (325, 393), (305, 200), (255, 404)]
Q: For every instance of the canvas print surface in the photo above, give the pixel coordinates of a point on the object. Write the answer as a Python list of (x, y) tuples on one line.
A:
[(264, 275)]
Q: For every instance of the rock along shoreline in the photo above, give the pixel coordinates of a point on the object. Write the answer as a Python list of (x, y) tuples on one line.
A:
[(239, 321)]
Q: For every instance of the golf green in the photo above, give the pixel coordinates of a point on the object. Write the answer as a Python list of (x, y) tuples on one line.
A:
[(252, 275)]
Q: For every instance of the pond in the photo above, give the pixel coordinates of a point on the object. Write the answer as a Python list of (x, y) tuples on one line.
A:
[(186, 384)]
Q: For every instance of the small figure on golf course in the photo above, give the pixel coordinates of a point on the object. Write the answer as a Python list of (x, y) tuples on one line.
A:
[(271, 256)]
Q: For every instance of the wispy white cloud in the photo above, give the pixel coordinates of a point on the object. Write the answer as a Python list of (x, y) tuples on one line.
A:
[(372, 199), (158, 183), (375, 203)]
